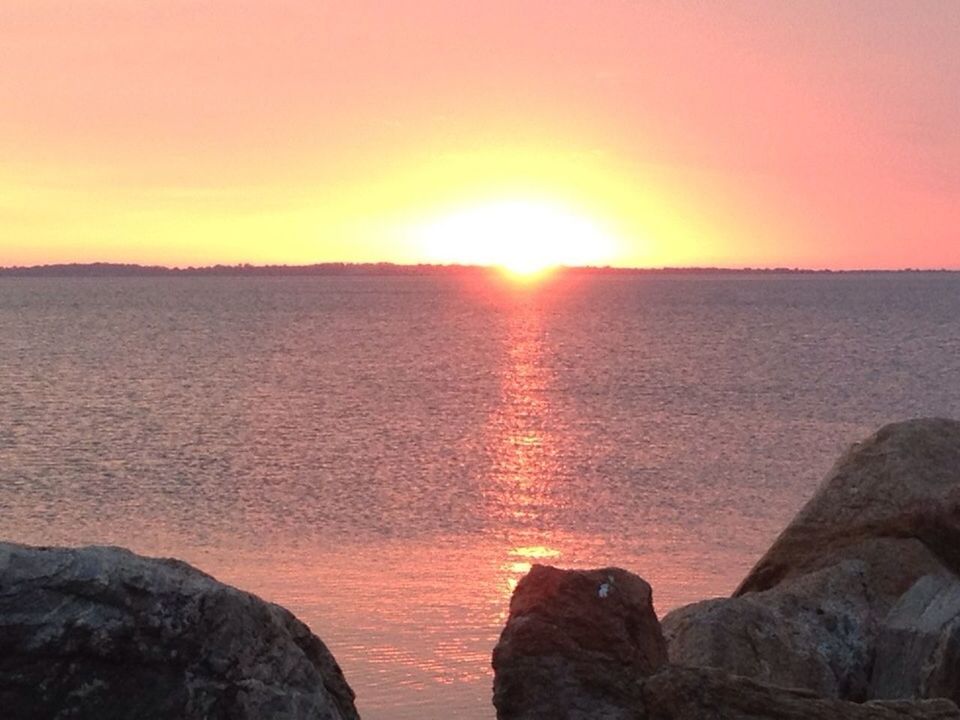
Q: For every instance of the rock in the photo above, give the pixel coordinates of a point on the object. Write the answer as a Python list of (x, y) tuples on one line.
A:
[(585, 645), (816, 631), (918, 650), (678, 693), (576, 644), (103, 633), (858, 599), (902, 482), (807, 634), (810, 612)]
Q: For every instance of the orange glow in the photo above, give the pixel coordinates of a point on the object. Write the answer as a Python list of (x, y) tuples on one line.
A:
[(691, 133)]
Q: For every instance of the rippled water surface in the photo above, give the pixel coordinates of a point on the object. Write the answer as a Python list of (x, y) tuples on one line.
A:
[(386, 456)]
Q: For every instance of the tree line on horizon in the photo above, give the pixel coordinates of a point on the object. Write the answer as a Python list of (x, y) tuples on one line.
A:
[(104, 269)]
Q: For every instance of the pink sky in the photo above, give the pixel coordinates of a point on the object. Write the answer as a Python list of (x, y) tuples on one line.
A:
[(815, 133)]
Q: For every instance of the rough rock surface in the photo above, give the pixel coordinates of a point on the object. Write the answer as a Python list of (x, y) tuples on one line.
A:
[(811, 611), (857, 600), (575, 644), (901, 482), (816, 631), (807, 635), (678, 693), (102, 633), (918, 651), (568, 654)]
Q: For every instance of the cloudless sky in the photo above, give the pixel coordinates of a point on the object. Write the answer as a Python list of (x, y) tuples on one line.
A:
[(745, 132)]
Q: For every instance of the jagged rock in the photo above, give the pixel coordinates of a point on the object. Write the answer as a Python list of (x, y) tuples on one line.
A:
[(575, 645), (103, 633), (567, 653), (816, 631), (808, 634), (858, 598), (918, 650), (901, 482), (809, 614), (678, 693)]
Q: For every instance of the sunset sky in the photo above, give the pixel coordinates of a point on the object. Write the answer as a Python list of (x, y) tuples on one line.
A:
[(643, 133)]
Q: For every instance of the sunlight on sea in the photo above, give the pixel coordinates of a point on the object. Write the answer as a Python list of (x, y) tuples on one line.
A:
[(387, 456)]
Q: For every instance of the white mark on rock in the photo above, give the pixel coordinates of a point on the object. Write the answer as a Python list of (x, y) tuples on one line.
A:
[(604, 590)]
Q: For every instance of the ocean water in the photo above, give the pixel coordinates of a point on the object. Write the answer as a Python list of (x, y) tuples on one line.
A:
[(386, 456)]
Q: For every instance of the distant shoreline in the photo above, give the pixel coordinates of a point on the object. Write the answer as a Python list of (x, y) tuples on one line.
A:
[(392, 269)]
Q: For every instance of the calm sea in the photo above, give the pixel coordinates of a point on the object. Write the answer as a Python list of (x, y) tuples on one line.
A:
[(387, 456)]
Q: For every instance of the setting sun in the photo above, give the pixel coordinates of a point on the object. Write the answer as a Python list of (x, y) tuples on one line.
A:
[(523, 237)]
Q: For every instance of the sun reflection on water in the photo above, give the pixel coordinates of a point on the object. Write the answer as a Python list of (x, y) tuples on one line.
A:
[(523, 479), (536, 552)]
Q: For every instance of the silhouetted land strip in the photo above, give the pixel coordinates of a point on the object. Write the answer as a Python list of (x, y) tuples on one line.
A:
[(380, 269)]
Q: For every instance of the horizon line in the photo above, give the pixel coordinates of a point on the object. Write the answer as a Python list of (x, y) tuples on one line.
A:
[(107, 268)]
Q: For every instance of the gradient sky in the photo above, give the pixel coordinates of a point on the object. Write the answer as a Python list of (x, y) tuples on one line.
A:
[(748, 132)]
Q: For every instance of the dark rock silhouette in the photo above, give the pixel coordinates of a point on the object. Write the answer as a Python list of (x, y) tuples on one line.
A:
[(103, 633), (575, 644), (857, 600), (811, 612), (902, 482), (568, 654)]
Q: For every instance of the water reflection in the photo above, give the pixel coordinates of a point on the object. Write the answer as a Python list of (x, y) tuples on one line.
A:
[(522, 442), (388, 457)]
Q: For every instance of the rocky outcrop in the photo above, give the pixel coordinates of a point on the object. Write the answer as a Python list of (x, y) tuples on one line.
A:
[(102, 633), (854, 612), (808, 635), (817, 631), (575, 644), (902, 482), (585, 645), (812, 612)]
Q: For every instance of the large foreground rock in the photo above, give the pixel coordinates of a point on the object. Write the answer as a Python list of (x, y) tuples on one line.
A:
[(901, 482), (809, 635), (102, 633), (817, 631), (575, 644), (815, 610), (854, 612), (584, 645)]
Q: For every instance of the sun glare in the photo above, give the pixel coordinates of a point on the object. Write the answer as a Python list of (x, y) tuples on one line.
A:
[(524, 238)]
